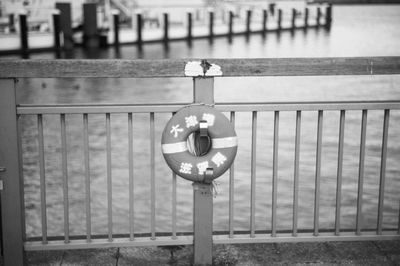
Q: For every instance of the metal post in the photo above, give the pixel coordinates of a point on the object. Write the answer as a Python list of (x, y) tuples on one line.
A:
[(11, 22), (202, 192), (23, 31), (12, 193)]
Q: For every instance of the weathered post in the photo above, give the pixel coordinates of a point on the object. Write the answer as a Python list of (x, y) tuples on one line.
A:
[(279, 28), (139, 29), (90, 33), (56, 31), (66, 24), (23, 33), (11, 192), (202, 192), (166, 28), (248, 21), (328, 16), (115, 14), (211, 25), (189, 27), (306, 18), (318, 19), (264, 22)]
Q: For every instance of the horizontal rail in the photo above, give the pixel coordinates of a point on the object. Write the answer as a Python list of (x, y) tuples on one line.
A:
[(223, 107), (217, 239), (42, 68)]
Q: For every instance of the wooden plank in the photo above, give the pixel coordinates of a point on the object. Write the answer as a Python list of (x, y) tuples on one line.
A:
[(10, 68)]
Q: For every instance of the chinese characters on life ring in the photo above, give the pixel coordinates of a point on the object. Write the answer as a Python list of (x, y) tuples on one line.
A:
[(220, 131)]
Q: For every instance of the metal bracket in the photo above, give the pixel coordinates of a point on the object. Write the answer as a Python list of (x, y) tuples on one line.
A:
[(208, 175)]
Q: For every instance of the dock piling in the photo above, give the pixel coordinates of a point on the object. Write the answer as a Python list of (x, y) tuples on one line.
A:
[(248, 22), (318, 19), (328, 16), (56, 31), (306, 18), (230, 27), (11, 22), (116, 27), (66, 25), (294, 14), (189, 27), (90, 33), (264, 22), (211, 25), (279, 28), (23, 33), (139, 29)]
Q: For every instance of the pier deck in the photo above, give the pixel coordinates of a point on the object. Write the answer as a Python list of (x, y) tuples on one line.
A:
[(320, 253)]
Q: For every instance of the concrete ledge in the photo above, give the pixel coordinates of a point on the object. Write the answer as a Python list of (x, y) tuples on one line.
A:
[(322, 253)]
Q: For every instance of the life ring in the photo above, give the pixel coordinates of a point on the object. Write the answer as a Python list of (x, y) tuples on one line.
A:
[(220, 131)]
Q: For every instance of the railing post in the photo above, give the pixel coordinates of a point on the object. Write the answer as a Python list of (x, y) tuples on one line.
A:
[(248, 21), (318, 19), (90, 32), (230, 27), (202, 192), (11, 194), (328, 16), (264, 22)]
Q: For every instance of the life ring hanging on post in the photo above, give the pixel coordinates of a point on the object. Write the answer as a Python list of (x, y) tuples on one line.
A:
[(205, 120)]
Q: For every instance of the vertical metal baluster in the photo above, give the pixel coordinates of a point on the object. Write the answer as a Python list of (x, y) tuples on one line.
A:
[(275, 173), (109, 178), (173, 205), (318, 172), (383, 170), (253, 173), (87, 176), (65, 177), (231, 188), (296, 172), (131, 184), (339, 171), (152, 177), (361, 171), (42, 179), (174, 202)]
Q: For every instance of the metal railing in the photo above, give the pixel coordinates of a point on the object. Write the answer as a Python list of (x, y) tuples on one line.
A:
[(12, 196)]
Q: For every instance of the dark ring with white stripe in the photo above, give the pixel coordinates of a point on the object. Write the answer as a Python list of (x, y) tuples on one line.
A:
[(220, 131)]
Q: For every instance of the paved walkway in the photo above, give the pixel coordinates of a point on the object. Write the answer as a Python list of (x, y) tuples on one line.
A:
[(327, 253)]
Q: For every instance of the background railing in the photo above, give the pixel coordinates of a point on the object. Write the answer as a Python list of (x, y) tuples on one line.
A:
[(13, 209)]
